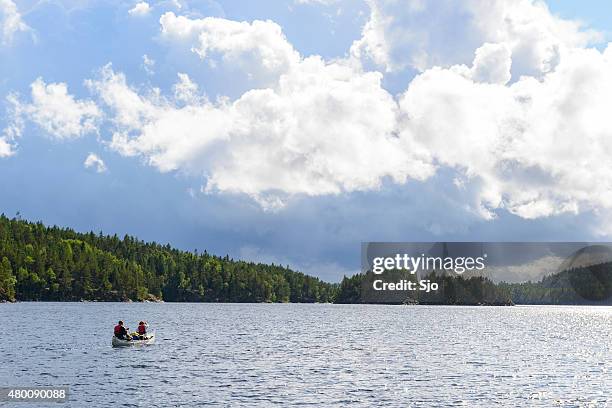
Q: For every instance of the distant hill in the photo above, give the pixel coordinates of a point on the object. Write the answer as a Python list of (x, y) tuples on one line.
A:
[(586, 284), (588, 256)]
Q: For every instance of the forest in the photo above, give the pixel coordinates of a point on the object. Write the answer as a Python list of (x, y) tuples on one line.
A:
[(590, 285), (52, 263), (452, 290), (43, 263)]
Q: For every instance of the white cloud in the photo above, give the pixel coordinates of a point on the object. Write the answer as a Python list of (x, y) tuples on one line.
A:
[(14, 129), (6, 149), (55, 111), (492, 64), (93, 161), (326, 129), (140, 9), (423, 34), (148, 64), (185, 90), (10, 21), (259, 48), (537, 147)]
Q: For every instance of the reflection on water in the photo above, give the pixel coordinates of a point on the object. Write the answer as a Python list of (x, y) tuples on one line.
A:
[(318, 355)]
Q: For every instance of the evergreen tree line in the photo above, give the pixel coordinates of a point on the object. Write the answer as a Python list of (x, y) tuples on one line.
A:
[(586, 285), (451, 290), (52, 263), (583, 285)]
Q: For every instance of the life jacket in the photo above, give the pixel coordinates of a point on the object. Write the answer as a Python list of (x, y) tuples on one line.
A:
[(142, 329), (118, 330)]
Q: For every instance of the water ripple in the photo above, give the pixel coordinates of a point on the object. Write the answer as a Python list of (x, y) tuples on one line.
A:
[(314, 355)]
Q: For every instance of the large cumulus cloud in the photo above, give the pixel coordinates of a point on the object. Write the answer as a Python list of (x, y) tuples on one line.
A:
[(324, 129), (514, 107), (423, 34), (539, 147)]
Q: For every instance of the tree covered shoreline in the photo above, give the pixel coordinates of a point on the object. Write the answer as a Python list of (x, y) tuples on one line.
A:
[(58, 264), (41, 263)]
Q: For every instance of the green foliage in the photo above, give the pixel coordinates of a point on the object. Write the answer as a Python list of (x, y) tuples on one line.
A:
[(350, 289), (459, 290), (7, 280), (586, 285), (52, 263), (452, 290)]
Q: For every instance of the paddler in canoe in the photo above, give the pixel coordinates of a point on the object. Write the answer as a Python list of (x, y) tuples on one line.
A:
[(121, 332), (141, 332)]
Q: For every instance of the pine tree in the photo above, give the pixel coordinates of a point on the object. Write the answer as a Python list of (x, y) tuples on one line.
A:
[(7, 281)]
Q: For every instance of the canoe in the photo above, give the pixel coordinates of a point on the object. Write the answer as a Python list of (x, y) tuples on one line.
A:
[(123, 343)]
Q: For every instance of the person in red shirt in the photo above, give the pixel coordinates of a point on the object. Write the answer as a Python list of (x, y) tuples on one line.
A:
[(120, 331), (142, 329)]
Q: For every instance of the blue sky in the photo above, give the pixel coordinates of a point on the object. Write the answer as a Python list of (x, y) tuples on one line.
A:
[(325, 124)]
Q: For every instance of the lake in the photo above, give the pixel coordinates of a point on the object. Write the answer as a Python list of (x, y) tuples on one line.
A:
[(312, 354)]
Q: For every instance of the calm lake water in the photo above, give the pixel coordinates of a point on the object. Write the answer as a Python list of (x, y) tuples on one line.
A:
[(317, 355)]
